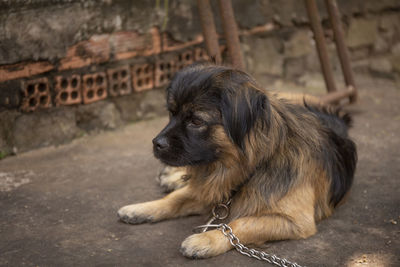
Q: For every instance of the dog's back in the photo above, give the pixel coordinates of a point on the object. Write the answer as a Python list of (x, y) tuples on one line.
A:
[(324, 129), (280, 165), (341, 162)]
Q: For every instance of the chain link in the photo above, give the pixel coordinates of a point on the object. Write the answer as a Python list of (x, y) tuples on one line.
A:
[(220, 212), (252, 253)]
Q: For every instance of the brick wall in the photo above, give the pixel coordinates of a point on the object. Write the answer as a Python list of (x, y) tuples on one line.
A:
[(99, 64)]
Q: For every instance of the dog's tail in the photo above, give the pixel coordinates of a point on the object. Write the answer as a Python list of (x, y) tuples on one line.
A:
[(332, 117), (346, 117)]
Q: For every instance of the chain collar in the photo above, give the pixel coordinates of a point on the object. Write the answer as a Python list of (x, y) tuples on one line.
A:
[(221, 212)]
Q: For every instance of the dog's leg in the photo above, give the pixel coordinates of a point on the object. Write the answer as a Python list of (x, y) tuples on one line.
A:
[(249, 230), (172, 178), (176, 204), (291, 218)]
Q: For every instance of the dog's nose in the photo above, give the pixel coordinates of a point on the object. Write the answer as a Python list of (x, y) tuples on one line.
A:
[(160, 143)]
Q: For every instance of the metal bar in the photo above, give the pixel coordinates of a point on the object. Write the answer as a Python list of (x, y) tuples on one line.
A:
[(231, 33), (334, 17), (334, 97), (209, 31), (313, 15)]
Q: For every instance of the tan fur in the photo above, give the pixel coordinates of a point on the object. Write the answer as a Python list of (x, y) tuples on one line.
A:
[(222, 176), (255, 218), (172, 178), (321, 191), (205, 245), (292, 218), (176, 204)]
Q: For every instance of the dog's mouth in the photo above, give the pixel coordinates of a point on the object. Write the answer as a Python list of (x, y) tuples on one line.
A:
[(170, 162), (168, 158), (179, 160)]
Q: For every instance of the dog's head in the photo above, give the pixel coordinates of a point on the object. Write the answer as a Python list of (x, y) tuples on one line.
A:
[(212, 110)]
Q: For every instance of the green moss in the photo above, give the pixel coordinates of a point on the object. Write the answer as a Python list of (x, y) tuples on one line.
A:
[(3, 155)]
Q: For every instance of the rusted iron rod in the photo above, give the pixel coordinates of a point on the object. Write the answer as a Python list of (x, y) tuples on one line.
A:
[(313, 15), (334, 17), (209, 31), (334, 97), (231, 33)]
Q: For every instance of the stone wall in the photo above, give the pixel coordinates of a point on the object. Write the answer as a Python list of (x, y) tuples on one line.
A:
[(71, 67)]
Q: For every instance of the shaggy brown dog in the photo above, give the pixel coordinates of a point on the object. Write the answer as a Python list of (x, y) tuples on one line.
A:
[(284, 163)]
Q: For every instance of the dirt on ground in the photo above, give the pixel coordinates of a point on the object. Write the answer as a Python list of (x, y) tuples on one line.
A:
[(58, 204)]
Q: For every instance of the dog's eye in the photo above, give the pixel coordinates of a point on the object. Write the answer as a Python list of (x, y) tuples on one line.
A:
[(196, 122)]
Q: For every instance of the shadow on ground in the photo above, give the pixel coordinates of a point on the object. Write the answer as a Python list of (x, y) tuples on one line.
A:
[(58, 205)]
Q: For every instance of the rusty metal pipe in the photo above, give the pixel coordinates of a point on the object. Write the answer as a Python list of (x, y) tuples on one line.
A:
[(231, 33), (209, 31), (334, 17), (313, 15), (334, 97)]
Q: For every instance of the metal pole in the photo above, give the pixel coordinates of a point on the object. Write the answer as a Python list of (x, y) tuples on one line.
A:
[(334, 17), (334, 97), (231, 33), (209, 32), (313, 15)]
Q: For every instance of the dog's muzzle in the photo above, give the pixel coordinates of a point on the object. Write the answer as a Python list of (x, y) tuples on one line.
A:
[(160, 144)]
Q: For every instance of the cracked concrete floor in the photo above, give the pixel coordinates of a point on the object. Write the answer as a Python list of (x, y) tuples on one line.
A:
[(58, 204)]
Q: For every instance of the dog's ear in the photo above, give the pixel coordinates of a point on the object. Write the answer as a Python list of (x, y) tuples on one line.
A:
[(242, 106)]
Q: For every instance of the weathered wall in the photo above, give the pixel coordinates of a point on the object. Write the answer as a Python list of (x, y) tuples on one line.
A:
[(69, 67)]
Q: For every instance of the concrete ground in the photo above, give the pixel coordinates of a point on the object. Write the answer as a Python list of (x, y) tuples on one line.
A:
[(58, 205)]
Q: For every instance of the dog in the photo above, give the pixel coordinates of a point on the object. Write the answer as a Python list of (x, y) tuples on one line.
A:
[(284, 163)]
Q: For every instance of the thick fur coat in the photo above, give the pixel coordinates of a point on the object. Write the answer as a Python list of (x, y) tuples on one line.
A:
[(284, 162)]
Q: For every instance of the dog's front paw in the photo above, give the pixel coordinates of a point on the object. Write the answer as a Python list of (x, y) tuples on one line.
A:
[(205, 245), (134, 214)]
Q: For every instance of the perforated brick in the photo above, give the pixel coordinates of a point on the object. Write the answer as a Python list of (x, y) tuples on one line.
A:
[(184, 59), (94, 87), (119, 81), (164, 71), (35, 94), (143, 77), (68, 90), (200, 54)]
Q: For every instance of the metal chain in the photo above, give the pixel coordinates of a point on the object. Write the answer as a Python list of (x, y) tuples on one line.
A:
[(252, 253), (220, 212)]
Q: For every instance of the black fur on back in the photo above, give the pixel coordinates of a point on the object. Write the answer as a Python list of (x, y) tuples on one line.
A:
[(340, 164)]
